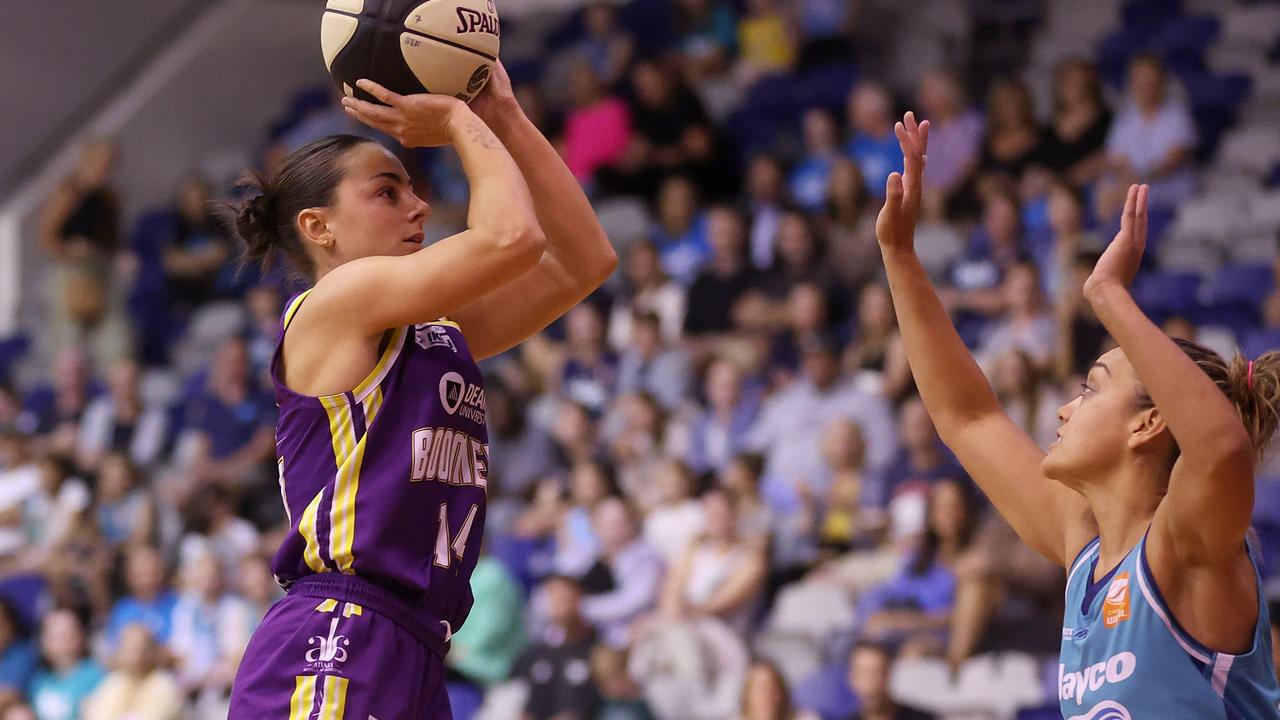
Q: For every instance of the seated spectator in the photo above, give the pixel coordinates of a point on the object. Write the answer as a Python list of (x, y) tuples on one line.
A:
[(848, 222), (195, 637), (922, 461), (800, 257), (213, 526), (606, 47), (53, 511), (125, 511), (1081, 337), (233, 423), (597, 130), (1074, 142), (122, 422), (576, 546), (678, 519), (870, 666), (844, 520), (485, 649), (872, 144), (763, 207), (646, 290), (790, 426), (637, 433), (810, 178), (1067, 237), (590, 371), (1152, 138), (877, 344), (994, 248), (652, 365), (519, 450), (137, 688), (556, 665), (149, 601), (719, 575), (1013, 137), (955, 132), (914, 608), (766, 41), (21, 481), (1028, 400), (198, 251), (765, 695), (68, 676), (708, 37), (262, 325), (1027, 325), (620, 696), (720, 431), (725, 280), (680, 234), (53, 412), (804, 316), (741, 478), (18, 656), (239, 615), (636, 570), (824, 28)]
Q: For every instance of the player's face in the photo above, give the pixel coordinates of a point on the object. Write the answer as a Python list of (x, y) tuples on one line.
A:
[(1094, 431), (375, 210)]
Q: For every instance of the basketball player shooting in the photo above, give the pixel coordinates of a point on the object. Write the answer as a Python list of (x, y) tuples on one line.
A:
[(381, 438), (1145, 497)]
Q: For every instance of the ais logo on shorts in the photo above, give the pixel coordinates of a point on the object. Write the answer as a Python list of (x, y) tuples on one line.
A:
[(1115, 609)]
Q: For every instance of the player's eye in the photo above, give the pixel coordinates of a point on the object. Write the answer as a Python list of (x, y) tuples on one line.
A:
[(388, 192), (1085, 389)]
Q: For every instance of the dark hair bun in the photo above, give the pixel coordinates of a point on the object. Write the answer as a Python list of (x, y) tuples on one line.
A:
[(255, 220)]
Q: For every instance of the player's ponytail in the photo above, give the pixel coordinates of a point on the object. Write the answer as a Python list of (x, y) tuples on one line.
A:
[(1255, 390), (266, 219), (1252, 385)]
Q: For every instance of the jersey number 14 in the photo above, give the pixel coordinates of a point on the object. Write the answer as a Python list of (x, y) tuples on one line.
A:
[(447, 549)]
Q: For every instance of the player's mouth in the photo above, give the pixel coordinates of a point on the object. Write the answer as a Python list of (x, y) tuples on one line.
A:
[(416, 238), (1057, 441)]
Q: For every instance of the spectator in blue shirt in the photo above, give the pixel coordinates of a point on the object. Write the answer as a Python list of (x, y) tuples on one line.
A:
[(149, 603), (68, 675), (872, 143), (234, 421), (811, 176), (17, 656)]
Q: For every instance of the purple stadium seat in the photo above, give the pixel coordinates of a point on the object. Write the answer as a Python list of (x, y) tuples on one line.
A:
[(1259, 341), (12, 349), (827, 693), (1192, 33), (827, 86), (1150, 15), (1164, 294), (1246, 285)]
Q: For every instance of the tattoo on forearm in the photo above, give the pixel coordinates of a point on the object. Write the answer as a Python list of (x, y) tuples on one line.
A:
[(482, 135)]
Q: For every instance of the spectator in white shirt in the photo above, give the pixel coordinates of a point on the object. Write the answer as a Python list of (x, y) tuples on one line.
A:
[(636, 569)]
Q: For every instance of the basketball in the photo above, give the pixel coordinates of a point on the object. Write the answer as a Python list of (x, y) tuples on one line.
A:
[(446, 47)]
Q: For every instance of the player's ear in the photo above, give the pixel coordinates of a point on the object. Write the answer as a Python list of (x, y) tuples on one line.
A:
[(313, 227), (1145, 427)]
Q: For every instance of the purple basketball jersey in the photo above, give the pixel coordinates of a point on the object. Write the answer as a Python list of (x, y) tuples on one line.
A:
[(388, 481)]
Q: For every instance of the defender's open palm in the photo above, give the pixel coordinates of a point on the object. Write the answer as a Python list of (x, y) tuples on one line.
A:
[(1119, 262), (896, 225), (421, 120)]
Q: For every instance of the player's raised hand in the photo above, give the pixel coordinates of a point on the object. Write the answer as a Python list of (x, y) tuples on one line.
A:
[(896, 225), (1119, 262), (497, 97), (413, 120)]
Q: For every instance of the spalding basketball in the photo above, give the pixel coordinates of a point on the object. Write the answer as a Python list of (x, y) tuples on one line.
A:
[(446, 47)]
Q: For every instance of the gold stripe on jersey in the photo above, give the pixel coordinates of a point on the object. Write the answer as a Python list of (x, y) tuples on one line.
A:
[(293, 308), (307, 529), (347, 453), (304, 697), (327, 606), (448, 322), (333, 705), (379, 372)]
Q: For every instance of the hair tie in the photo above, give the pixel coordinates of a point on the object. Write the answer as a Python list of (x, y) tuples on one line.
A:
[(1249, 376)]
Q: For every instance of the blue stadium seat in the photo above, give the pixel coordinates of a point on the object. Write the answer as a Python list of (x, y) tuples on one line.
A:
[(12, 349), (826, 86), (1192, 34), (1150, 15), (26, 594)]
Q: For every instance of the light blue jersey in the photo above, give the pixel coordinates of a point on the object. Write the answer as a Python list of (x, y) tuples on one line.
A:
[(1125, 657)]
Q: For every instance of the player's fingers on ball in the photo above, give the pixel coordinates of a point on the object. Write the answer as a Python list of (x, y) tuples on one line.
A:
[(384, 95)]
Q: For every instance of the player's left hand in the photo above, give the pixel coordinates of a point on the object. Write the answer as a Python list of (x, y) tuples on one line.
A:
[(497, 97), (1119, 262), (421, 120)]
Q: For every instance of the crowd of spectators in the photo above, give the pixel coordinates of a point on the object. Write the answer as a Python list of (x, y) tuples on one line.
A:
[(714, 492)]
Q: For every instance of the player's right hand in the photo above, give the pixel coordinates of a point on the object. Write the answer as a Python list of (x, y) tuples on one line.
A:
[(896, 225), (421, 120)]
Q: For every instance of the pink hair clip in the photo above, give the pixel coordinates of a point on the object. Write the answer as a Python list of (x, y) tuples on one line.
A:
[(1249, 376)]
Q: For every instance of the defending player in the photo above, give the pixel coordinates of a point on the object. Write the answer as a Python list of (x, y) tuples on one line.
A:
[(381, 439), (1145, 496)]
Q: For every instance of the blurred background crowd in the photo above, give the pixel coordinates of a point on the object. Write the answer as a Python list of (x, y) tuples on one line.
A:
[(714, 493)]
